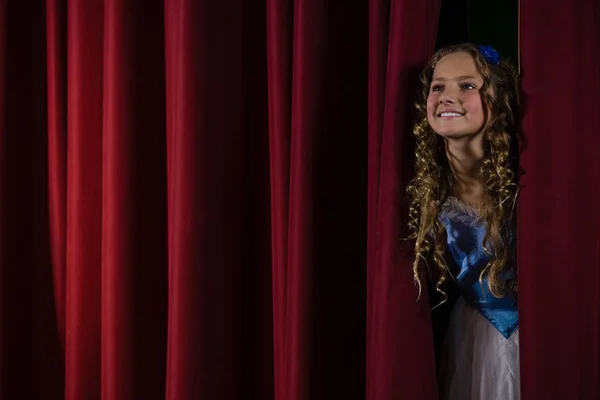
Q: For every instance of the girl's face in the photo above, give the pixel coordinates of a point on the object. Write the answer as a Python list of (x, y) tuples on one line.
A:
[(454, 107)]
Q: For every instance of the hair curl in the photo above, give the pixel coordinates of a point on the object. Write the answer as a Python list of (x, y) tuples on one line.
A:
[(433, 179)]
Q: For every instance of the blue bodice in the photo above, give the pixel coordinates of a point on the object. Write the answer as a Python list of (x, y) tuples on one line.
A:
[(466, 259)]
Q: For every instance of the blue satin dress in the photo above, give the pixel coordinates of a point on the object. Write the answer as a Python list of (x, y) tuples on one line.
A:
[(480, 356)]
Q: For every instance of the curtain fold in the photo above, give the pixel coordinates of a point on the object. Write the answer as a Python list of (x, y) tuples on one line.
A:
[(559, 218), (206, 220), (278, 18), (400, 357), (134, 204), (316, 63), (30, 353), (85, 42), (57, 148)]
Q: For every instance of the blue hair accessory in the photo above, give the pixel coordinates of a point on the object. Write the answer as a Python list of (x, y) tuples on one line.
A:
[(490, 55)]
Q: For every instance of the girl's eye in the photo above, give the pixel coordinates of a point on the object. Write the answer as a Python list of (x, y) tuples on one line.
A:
[(467, 86), (436, 88)]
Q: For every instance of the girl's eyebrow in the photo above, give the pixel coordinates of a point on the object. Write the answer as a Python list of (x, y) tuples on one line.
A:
[(458, 78)]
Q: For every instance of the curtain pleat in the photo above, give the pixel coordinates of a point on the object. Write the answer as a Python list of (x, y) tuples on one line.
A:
[(134, 203), (30, 352), (85, 43), (278, 21), (399, 335), (56, 61), (559, 217), (206, 220), (317, 123)]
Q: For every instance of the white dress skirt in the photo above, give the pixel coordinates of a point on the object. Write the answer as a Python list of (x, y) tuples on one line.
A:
[(477, 362)]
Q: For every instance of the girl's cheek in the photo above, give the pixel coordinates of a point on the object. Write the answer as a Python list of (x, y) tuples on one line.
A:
[(473, 95), (431, 100)]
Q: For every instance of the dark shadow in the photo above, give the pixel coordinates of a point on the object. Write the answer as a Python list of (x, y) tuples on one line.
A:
[(338, 352)]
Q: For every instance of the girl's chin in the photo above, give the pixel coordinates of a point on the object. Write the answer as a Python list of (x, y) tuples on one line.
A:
[(457, 134), (457, 131)]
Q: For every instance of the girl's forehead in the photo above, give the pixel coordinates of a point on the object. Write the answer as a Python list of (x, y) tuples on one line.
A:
[(455, 65)]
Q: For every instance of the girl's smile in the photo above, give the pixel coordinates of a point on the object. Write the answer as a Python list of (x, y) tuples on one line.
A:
[(450, 114)]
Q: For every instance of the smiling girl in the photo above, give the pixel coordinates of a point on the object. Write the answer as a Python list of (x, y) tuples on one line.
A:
[(463, 197)]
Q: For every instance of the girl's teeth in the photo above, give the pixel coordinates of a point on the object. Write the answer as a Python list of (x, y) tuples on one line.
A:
[(451, 115)]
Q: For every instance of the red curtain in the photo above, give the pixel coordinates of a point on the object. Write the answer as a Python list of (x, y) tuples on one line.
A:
[(199, 200), (400, 357), (316, 63), (559, 216)]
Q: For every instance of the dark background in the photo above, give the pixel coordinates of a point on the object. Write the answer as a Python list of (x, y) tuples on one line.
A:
[(485, 22)]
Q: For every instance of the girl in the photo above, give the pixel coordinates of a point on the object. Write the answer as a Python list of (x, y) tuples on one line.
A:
[(462, 215)]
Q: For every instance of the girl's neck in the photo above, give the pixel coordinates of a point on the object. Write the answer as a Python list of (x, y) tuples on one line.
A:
[(472, 194), (465, 157)]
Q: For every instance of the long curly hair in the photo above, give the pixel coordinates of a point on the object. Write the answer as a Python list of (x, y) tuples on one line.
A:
[(433, 179)]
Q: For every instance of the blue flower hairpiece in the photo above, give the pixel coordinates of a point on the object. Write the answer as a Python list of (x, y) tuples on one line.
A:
[(490, 55)]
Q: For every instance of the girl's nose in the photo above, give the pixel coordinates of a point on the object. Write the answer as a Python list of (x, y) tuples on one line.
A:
[(447, 99)]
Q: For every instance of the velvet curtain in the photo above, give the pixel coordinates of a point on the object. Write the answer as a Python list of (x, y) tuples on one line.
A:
[(400, 357), (190, 192), (204, 200), (559, 217)]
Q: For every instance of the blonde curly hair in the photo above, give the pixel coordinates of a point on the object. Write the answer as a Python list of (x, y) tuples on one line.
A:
[(433, 179)]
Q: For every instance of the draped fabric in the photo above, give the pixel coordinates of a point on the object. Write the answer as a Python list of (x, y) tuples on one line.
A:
[(400, 359), (559, 216), (317, 66), (202, 200)]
